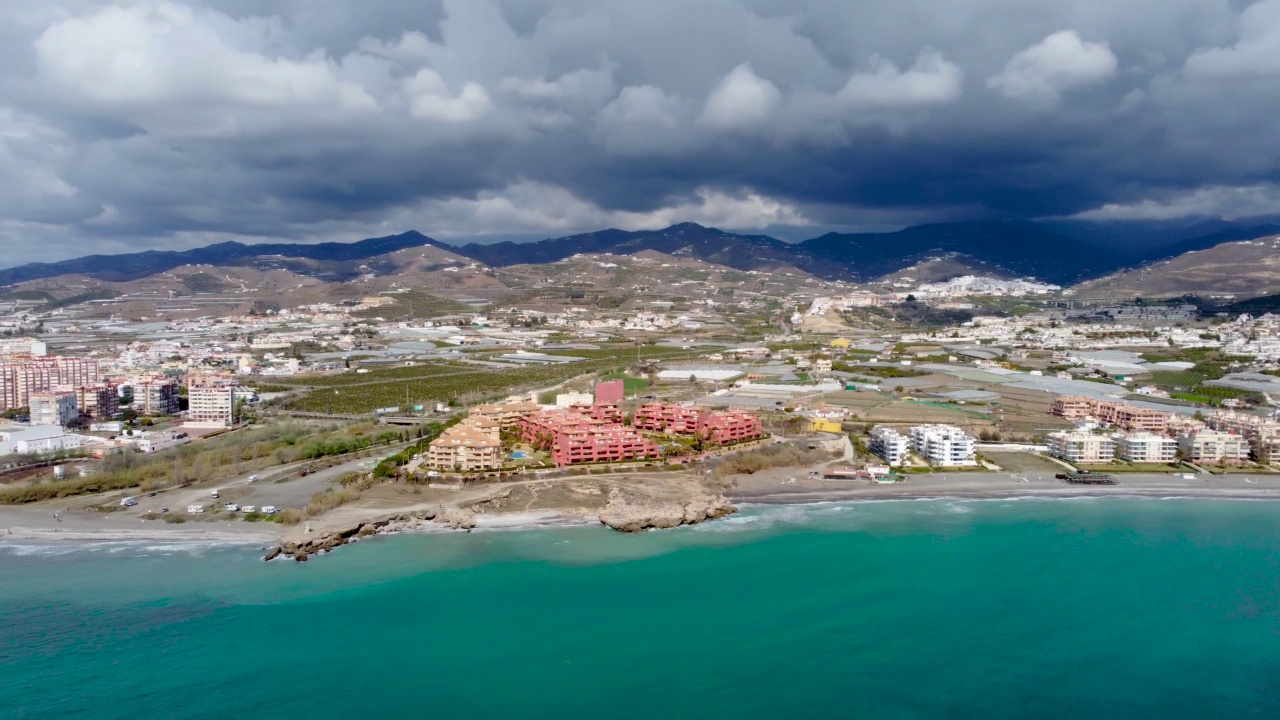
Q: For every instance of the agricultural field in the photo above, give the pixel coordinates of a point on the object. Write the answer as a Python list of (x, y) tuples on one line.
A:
[(1170, 380), (371, 391)]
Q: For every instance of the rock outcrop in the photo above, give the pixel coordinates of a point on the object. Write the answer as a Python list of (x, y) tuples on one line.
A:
[(301, 548), (630, 513)]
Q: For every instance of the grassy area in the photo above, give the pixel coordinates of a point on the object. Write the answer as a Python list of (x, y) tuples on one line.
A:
[(631, 385), (399, 373), (1127, 467), (225, 456)]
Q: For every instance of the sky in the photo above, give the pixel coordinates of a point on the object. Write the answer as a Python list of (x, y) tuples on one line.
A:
[(136, 125)]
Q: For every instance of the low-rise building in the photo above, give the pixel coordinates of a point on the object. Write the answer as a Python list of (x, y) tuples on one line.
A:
[(945, 445), (1121, 414), (37, 439), (893, 447), (1146, 448), (1081, 447)]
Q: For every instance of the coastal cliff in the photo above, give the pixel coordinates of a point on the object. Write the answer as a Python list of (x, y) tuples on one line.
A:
[(624, 512), (632, 513)]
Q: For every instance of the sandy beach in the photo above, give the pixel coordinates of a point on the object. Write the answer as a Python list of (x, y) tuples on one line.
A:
[(78, 523), (779, 487)]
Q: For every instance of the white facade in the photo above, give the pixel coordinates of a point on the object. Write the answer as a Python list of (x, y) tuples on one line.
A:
[(945, 445), (1081, 447), (567, 400), (211, 405), (37, 439), (890, 445), (1213, 446), (1147, 448), (53, 408)]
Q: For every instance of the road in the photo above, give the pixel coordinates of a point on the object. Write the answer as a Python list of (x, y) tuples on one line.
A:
[(292, 493)]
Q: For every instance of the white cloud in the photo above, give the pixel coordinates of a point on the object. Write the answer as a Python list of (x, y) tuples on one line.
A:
[(167, 66), (931, 80), (742, 99), (528, 205), (1215, 201), (429, 99), (1060, 62), (1257, 52)]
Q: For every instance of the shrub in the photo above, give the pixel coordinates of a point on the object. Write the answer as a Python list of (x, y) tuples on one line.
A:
[(174, 518)]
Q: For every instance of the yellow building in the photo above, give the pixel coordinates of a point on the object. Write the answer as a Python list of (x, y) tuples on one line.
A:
[(466, 449), (840, 343), (824, 425)]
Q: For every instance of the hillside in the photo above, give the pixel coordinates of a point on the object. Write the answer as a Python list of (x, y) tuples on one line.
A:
[(331, 261), (1246, 268), (1021, 249)]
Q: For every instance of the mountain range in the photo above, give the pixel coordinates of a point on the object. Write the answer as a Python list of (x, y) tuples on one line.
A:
[(1002, 248)]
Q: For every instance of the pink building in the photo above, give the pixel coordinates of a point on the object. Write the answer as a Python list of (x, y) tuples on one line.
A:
[(574, 438), (610, 392), (719, 428)]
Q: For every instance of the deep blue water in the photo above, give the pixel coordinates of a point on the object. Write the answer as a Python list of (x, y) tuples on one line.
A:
[(936, 609)]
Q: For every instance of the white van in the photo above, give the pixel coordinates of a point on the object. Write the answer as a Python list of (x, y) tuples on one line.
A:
[(270, 509), (128, 502), (194, 509), (247, 508), (231, 507)]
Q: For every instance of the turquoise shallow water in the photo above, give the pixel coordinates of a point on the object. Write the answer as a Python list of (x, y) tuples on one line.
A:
[(937, 609)]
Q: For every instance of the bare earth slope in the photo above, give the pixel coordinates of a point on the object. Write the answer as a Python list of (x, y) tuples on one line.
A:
[(1244, 269)]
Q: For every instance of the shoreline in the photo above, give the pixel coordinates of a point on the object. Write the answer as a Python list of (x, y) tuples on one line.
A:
[(535, 520)]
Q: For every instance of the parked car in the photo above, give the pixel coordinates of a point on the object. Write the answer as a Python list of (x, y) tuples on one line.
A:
[(231, 507), (194, 509), (253, 478), (214, 493), (270, 509), (128, 502)]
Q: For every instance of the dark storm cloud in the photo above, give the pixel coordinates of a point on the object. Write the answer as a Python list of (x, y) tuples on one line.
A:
[(165, 124)]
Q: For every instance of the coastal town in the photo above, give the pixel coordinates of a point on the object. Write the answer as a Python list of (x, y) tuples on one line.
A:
[(384, 407)]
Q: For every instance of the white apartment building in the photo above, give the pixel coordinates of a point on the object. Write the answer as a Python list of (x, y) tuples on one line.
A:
[(1146, 448), (53, 408), (1081, 447), (945, 445), (571, 399), (1213, 446), (211, 402), (890, 445)]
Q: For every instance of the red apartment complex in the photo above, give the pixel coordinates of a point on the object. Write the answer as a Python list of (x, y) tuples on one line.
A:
[(575, 437), (719, 428), (1120, 414)]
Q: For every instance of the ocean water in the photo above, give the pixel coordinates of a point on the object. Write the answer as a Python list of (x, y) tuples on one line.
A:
[(930, 609)]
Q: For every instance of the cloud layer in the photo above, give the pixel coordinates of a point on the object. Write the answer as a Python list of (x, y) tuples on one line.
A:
[(144, 123)]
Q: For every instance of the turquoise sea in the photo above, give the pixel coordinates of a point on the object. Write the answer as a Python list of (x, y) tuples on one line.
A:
[(1091, 609)]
